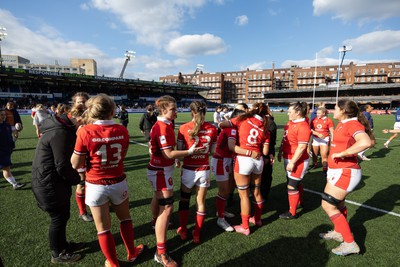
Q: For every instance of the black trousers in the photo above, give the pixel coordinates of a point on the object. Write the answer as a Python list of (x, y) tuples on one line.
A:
[(58, 229), (266, 180)]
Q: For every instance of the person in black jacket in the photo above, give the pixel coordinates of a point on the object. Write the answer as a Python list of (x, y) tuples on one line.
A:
[(123, 116), (52, 178), (147, 121), (266, 176)]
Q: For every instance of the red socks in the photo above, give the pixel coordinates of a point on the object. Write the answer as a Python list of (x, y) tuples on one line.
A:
[(220, 203), (245, 221), (294, 198), (107, 245), (342, 226), (126, 229), (80, 201), (200, 216), (258, 207), (161, 248)]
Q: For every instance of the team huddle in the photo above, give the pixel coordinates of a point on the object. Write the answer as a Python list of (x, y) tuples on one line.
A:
[(95, 146)]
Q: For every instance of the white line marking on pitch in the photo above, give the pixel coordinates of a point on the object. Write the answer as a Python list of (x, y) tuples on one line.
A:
[(318, 193), (359, 204)]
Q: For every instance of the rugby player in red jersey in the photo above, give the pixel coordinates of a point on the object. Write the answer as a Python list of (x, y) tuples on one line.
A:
[(160, 173), (253, 140), (195, 168), (221, 167), (352, 135), (293, 149), (103, 144), (321, 128)]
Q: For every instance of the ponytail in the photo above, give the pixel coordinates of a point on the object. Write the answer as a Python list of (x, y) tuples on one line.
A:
[(198, 110)]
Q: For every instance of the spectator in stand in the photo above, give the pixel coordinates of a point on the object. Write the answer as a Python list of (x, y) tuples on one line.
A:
[(396, 127), (6, 148), (12, 118), (147, 121), (223, 112), (41, 114), (366, 111), (123, 116)]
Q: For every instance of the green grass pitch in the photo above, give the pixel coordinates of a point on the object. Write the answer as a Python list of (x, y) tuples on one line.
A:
[(24, 227)]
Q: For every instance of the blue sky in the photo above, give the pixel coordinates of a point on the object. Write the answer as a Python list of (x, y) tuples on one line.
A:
[(171, 36)]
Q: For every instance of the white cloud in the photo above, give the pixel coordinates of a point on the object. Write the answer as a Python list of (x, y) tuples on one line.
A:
[(241, 20), (194, 45), (154, 22), (375, 42), (361, 10), (255, 66), (325, 51)]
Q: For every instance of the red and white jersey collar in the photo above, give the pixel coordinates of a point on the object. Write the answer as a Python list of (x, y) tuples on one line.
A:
[(349, 119), (299, 120), (258, 117), (166, 121)]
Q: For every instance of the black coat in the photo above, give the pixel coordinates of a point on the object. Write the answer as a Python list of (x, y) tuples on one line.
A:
[(52, 172), (147, 121)]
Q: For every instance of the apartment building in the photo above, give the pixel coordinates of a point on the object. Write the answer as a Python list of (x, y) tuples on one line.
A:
[(249, 86)]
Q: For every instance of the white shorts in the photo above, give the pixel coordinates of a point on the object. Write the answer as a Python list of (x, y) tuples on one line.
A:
[(247, 165), (346, 179), (98, 195), (396, 126), (221, 168), (192, 177), (300, 169), (320, 141), (161, 178)]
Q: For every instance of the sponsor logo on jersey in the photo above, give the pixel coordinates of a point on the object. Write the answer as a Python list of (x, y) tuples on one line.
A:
[(163, 140)]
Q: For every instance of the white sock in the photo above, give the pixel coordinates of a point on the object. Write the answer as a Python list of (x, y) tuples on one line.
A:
[(11, 180)]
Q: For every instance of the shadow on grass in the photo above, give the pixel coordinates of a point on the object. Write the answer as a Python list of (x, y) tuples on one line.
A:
[(385, 199), (287, 251), (136, 162)]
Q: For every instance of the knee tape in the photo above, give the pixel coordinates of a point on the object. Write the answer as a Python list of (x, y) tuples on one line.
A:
[(166, 201), (330, 199), (242, 187), (294, 183)]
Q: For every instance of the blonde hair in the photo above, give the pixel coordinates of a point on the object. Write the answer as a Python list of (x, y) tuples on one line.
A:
[(80, 94), (323, 109), (100, 107), (163, 102), (198, 110)]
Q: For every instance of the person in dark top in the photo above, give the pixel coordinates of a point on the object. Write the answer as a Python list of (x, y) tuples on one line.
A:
[(6, 148), (266, 176), (123, 116), (12, 118), (366, 111), (52, 180), (147, 121)]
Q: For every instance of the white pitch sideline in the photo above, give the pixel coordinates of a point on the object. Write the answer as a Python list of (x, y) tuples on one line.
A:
[(359, 204), (318, 193)]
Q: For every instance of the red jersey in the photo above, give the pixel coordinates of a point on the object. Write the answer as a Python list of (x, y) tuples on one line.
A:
[(251, 133), (104, 143), (207, 137), (343, 138), (295, 132), (162, 136), (222, 149), (322, 125)]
